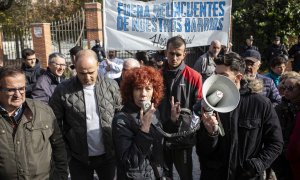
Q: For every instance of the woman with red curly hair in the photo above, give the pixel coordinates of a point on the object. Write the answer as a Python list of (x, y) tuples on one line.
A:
[(138, 144)]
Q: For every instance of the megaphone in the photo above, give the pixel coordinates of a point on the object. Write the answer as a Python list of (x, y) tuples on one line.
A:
[(219, 94)]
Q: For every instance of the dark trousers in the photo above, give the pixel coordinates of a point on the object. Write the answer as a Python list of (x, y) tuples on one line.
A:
[(182, 160), (104, 166), (282, 168)]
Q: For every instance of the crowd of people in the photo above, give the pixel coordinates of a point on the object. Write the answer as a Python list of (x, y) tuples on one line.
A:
[(140, 117)]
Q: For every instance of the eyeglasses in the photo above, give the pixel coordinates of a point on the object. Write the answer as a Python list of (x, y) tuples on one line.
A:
[(62, 65), (12, 91)]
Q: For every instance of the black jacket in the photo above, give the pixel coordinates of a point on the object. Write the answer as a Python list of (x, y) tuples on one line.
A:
[(294, 52), (68, 106), (252, 141), (32, 75), (275, 50), (185, 84), (138, 153), (286, 112), (99, 51), (246, 47)]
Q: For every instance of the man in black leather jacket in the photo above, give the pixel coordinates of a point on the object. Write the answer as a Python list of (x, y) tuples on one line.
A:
[(253, 137)]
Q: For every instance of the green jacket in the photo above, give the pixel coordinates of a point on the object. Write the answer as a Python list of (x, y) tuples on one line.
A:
[(36, 151)]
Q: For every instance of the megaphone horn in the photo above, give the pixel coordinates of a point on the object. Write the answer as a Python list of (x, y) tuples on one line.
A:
[(219, 94)]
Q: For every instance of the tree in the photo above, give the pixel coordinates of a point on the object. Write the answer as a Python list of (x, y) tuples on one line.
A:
[(265, 19), (23, 12), (261, 18)]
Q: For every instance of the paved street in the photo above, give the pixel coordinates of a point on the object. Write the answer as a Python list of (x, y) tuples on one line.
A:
[(196, 167)]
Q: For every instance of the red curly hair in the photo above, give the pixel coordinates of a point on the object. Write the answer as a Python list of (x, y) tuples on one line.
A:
[(138, 77)]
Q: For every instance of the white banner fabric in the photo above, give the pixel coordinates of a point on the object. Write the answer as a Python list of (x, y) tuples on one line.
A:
[(137, 25)]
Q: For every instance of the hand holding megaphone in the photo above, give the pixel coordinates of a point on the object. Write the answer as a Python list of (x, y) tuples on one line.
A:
[(213, 99), (220, 94), (210, 122)]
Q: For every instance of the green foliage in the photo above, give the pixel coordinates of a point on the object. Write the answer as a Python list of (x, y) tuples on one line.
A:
[(22, 13), (264, 19)]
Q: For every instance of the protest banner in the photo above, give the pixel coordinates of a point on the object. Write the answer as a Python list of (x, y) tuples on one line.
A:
[(137, 25)]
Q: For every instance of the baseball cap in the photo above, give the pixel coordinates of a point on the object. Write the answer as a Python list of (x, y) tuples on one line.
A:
[(251, 59), (252, 55)]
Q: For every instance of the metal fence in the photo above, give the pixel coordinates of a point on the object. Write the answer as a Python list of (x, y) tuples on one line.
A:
[(68, 33), (14, 40), (14, 63), (192, 54), (65, 34)]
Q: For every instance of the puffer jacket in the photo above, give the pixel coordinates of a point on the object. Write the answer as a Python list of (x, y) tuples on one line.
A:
[(32, 75), (252, 141), (35, 150), (270, 91), (68, 104), (138, 153)]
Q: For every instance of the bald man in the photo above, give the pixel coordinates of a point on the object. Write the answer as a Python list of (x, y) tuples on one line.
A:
[(128, 63), (205, 65), (84, 106)]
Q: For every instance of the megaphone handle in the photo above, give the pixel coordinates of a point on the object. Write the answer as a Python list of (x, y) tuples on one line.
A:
[(220, 126)]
